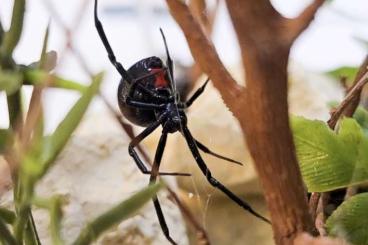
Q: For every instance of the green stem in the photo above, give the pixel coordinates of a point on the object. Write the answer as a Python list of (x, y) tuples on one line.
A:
[(15, 109), (12, 37), (1, 33), (31, 232)]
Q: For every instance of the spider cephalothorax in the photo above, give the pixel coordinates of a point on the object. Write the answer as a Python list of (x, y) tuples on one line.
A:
[(148, 98)]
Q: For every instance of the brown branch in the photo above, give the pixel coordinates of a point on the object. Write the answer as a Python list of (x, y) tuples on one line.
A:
[(207, 18), (350, 109), (204, 52), (313, 204), (265, 123), (297, 25), (349, 98)]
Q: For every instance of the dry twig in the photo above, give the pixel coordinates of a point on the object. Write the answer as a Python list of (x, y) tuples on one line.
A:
[(204, 52)]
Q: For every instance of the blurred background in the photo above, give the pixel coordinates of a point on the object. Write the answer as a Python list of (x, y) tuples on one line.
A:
[(338, 37)]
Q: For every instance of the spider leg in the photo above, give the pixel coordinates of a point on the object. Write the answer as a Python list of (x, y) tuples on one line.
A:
[(142, 167), (214, 182), (108, 48), (144, 105), (196, 94), (153, 177), (208, 151), (169, 61)]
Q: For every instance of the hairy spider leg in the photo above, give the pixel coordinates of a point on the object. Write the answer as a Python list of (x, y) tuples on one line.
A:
[(119, 67), (153, 177), (214, 182), (142, 167), (196, 94)]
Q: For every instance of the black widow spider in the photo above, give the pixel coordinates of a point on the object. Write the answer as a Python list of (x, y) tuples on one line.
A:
[(147, 97)]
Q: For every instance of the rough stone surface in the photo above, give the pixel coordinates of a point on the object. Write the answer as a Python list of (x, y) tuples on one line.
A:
[(95, 172)]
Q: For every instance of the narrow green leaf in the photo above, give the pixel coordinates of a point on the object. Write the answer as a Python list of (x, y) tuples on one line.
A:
[(12, 37), (10, 81), (45, 56), (55, 143), (5, 235), (53, 205), (328, 160), (350, 220), (39, 77), (7, 215), (4, 139), (345, 71), (116, 215)]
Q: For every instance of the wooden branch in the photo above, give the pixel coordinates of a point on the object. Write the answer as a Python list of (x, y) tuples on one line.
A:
[(204, 52), (265, 122), (351, 96), (207, 18), (297, 25)]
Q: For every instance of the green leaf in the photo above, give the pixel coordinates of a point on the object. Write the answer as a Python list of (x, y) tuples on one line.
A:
[(350, 220), (4, 139), (328, 160), (344, 71), (55, 143), (10, 81), (116, 215), (53, 205), (361, 115), (39, 77)]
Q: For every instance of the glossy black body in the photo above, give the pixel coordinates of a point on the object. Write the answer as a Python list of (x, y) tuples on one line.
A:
[(140, 74)]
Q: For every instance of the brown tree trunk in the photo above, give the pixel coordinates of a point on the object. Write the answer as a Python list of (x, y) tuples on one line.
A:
[(265, 38), (264, 120)]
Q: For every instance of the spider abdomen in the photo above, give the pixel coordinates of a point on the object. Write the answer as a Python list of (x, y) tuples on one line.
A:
[(141, 73)]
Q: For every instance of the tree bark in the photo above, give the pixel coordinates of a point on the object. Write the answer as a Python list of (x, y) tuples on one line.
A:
[(265, 38)]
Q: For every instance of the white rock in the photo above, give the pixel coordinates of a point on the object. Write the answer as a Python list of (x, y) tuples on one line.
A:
[(94, 173)]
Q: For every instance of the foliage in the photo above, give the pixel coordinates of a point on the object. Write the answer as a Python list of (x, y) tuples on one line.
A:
[(330, 160), (344, 71), (31, 153), (350, 220)]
